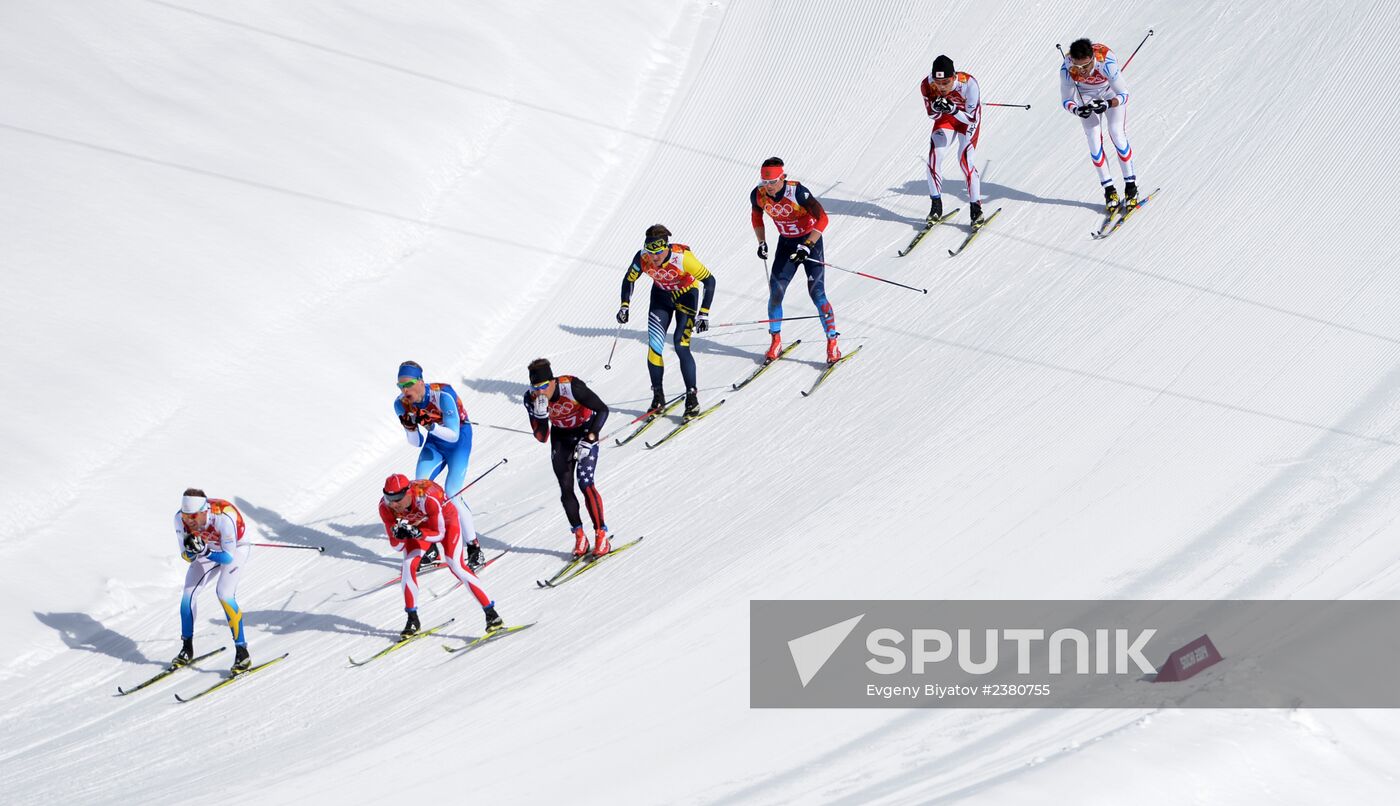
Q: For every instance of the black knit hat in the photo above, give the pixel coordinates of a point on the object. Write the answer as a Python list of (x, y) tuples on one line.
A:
[(943, 68), (540, 371)]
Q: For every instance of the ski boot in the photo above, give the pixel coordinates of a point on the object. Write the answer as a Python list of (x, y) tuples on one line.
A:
[(1110, 198), (580, 542), (658, 402), (775, 348), (474, 555), (493, 619), (601, 545), (186, 654), (241, 661), (692, 404), (935, 210), (833, 353), (976, 209), (430, 557), (1130, 199), (410, 627)]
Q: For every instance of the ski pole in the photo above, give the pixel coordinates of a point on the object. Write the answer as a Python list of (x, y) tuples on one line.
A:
[(478, 478), (766, 276), (1013, 106), (765, 321), (500, 427), (868, 276), (616, 336), (290, 546), (1136, 49), (1071, 78)]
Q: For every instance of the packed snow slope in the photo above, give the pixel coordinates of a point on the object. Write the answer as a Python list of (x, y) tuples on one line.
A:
[(226, 224)]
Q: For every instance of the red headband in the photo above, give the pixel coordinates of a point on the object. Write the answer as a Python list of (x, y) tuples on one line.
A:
[(772, 172)]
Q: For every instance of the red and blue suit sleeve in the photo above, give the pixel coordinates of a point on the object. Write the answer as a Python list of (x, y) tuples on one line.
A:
[(805, 198), (590, 399), (755, 212)]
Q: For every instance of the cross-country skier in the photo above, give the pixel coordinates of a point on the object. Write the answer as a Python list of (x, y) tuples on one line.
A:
[(800, 220), (954, 102), (210, 532), (435, 421), (1092, 87), (415, 515), (677, 276), (569, 415)]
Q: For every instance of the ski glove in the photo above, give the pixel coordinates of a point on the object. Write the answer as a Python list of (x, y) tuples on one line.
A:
[(702, 323), (803, 252), (409, 420), (584, 449), (762, 250), (539, 407), (1099, 106), (942, 105), (428, 417), (194, 546), (622, 315), (1084, 110), (404, 530)]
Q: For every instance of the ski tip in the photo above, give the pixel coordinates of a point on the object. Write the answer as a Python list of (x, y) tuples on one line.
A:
[(951, 253)]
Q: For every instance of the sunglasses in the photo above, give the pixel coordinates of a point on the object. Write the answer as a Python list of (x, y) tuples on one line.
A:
[(1082, 69), (407, 384), (772, 181), (398, 496), (542, 385), (657, 246)]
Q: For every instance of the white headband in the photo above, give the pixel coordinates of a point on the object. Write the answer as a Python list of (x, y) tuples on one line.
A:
[(191, 504)]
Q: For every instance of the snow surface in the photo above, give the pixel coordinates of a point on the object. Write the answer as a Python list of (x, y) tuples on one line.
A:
[(225, 225)]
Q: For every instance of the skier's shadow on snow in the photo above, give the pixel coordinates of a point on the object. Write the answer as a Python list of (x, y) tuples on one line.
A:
[(489, 543), (511, 390), (286, 622), (699, 342), (276, 527), (81, 631), (359, 529), (993, 193), (865, 209)]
